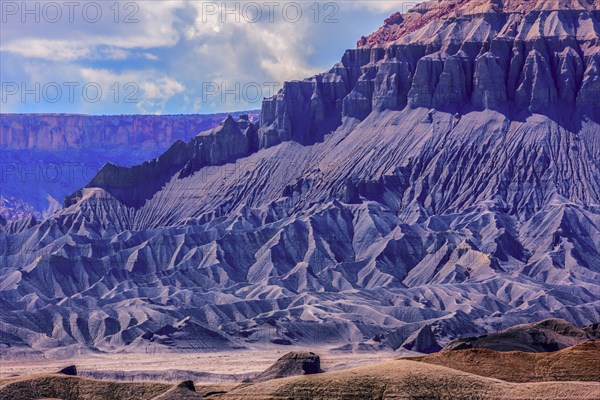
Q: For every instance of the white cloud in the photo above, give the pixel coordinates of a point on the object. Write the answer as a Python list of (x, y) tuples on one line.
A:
[(161, 89), (150, 56), (385, 6), (149, 89), (113, 53), (173, 51), (279, 48), (71, 41), (58, 50)]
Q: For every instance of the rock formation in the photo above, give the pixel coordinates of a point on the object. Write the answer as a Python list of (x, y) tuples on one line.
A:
[(70, 370), (422, 341), (55, 132), (408, 379), (183, 391), (133, 186), (455, 55), (449, 178), (293, 363), (576, 363), (548, 335), (46, 157), (593, 331), (568, 374)]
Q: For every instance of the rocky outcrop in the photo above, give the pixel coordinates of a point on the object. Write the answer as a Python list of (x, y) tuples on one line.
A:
[(387, 33), (189, 385), (14, 209), (46, 157), (593, 331), (58, 132), (548, 335), (489, 82), (291, 364), (70, 370), (422, 341), (304, 111), (433, 14), (576, 363), (182, 391), (452, 55), (133, 186), (589, 94)]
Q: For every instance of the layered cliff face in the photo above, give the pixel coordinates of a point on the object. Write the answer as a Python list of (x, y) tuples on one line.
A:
[(456, 55), (399, 26), (56, 132), (520, 59), (46, 157), (441, 185), (133, 186)]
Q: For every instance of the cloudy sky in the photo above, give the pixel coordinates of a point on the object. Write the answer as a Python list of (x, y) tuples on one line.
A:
[(172, 56)]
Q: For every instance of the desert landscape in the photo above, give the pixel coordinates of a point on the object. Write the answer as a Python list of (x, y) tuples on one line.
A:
[(419, 221), (212, 367), (569, 371)]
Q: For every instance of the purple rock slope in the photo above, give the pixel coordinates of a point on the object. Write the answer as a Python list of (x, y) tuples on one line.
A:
[(46, 157), (446, 182)]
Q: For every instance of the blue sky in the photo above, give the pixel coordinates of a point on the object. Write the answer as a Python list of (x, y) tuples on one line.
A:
[(170, 57)]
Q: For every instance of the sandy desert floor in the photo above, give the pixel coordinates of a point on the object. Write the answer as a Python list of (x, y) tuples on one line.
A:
[(225, 363), (541, 376)]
